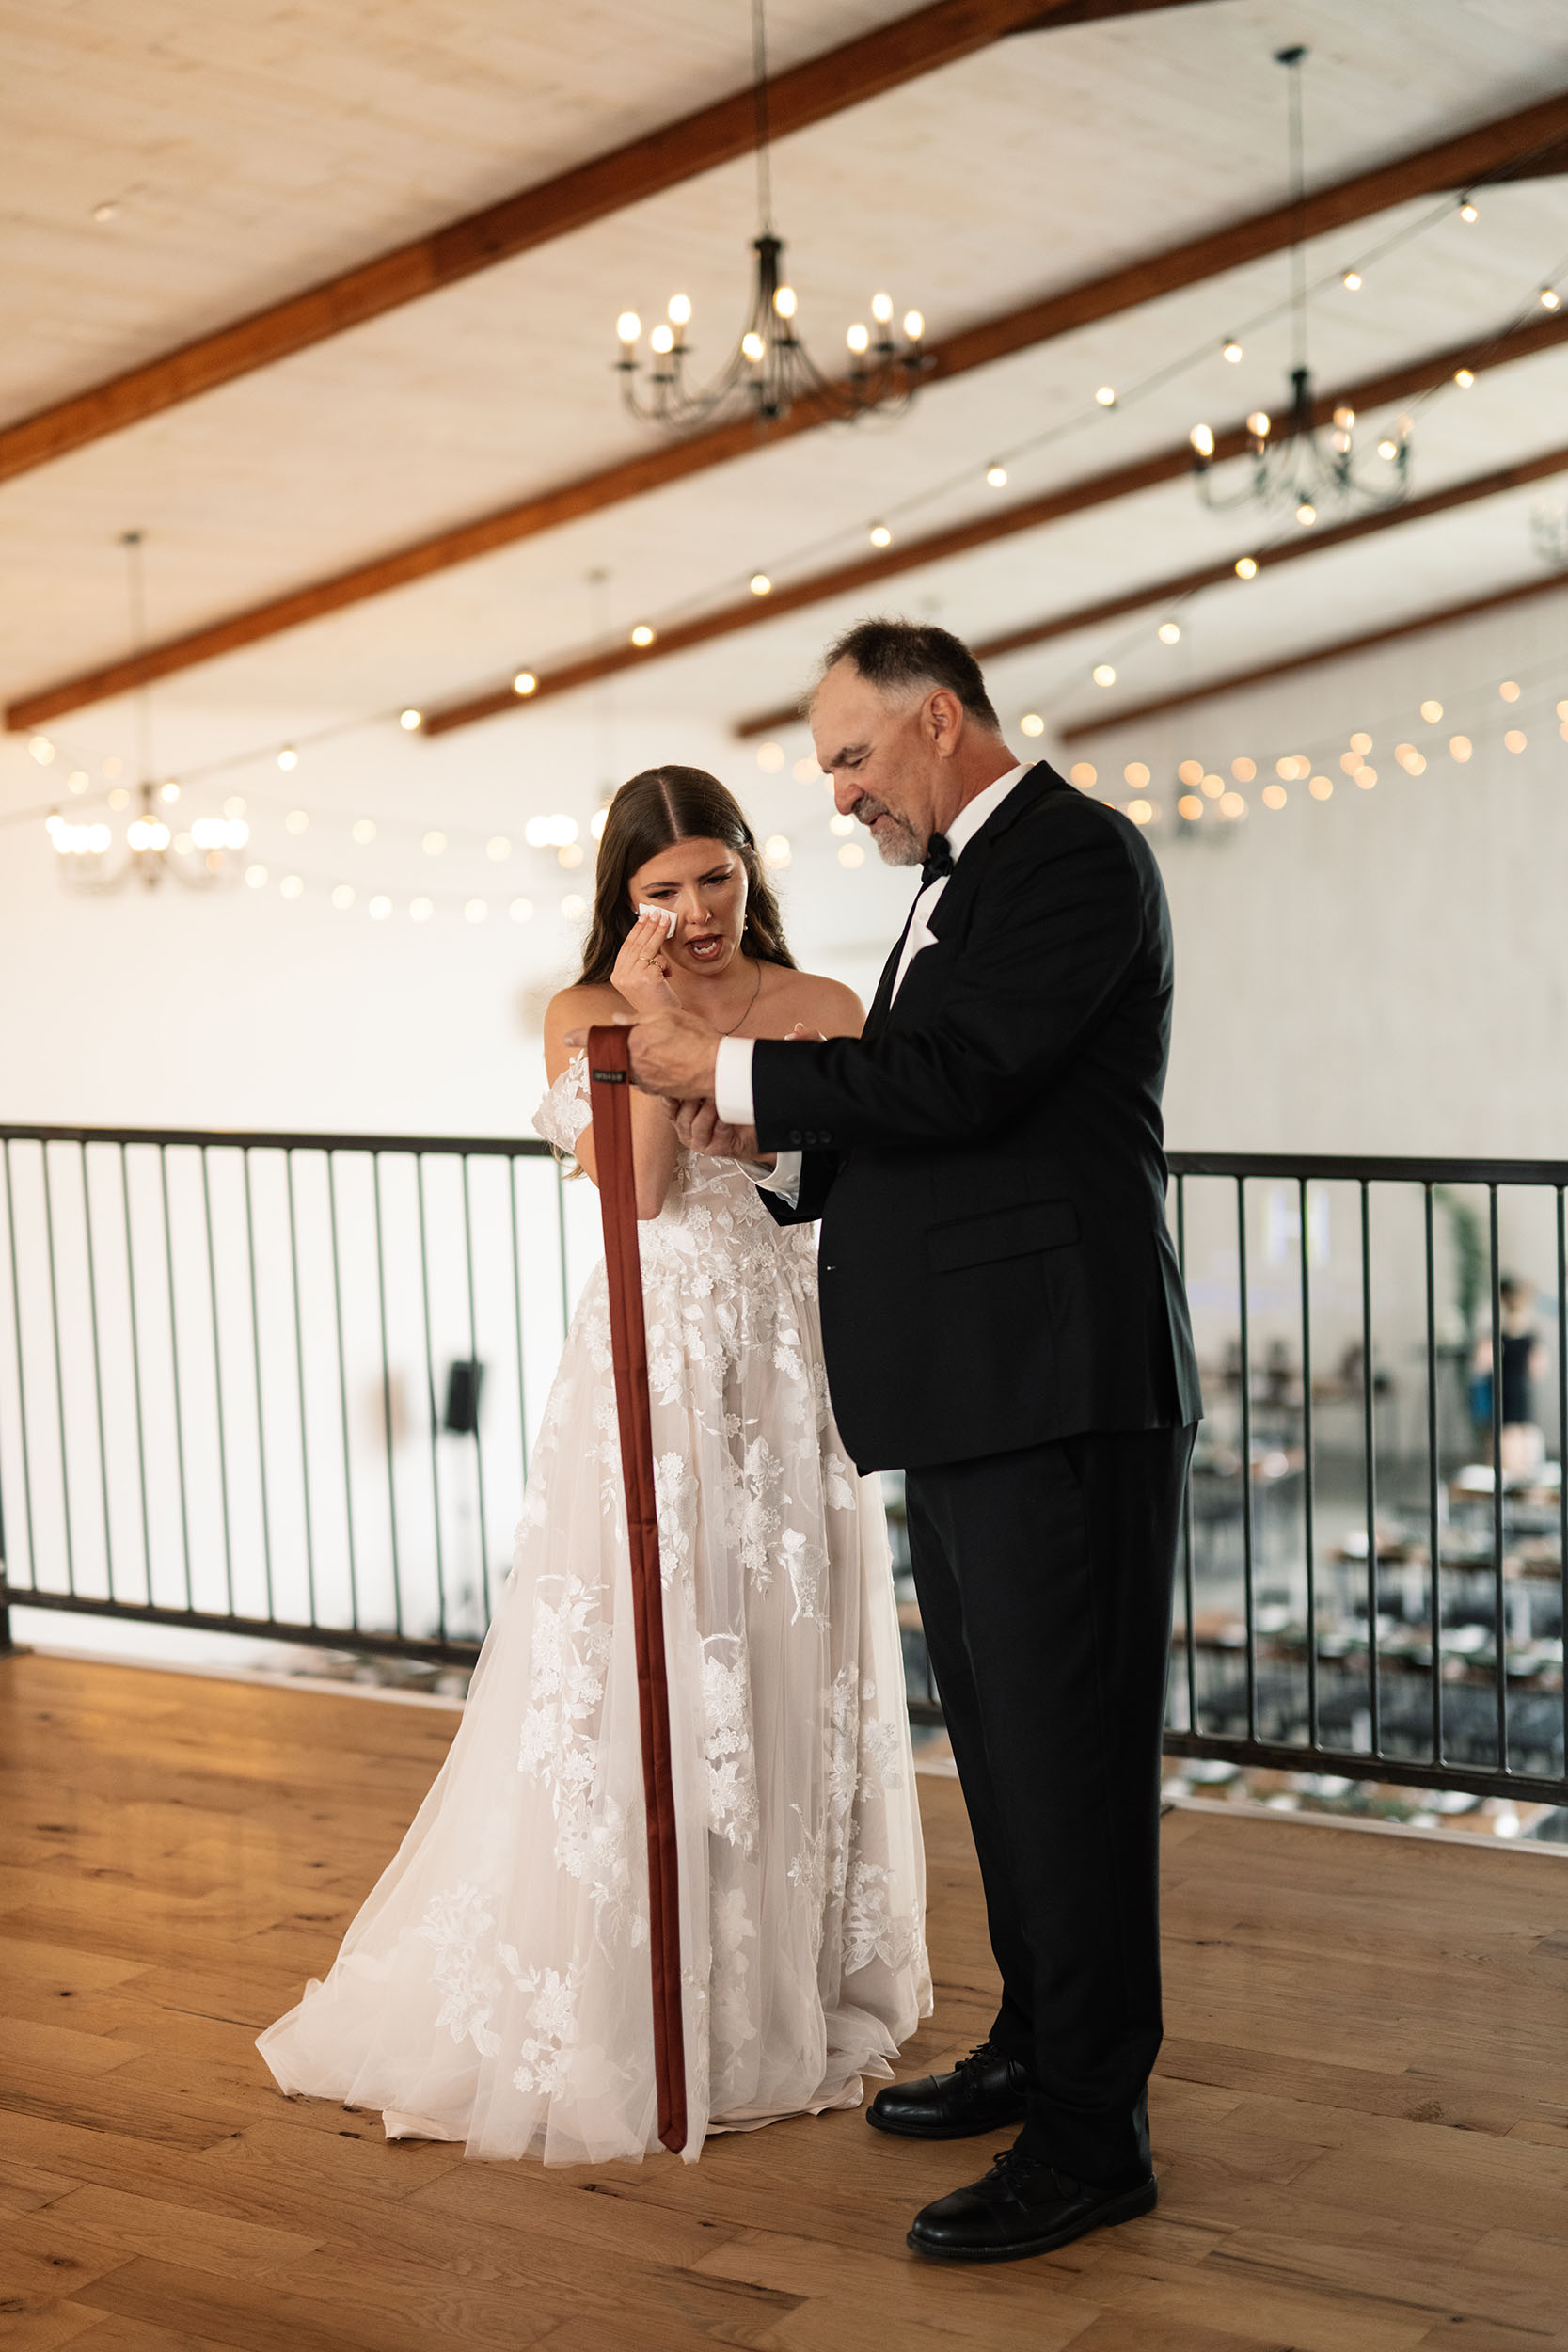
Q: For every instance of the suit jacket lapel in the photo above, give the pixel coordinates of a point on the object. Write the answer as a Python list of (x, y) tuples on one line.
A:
[(875, 1019)]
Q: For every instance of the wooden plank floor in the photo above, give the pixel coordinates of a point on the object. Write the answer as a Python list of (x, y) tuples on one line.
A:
[(1361, 2117)]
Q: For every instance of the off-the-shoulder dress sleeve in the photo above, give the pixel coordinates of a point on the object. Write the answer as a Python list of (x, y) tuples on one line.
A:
[(565, 1110)]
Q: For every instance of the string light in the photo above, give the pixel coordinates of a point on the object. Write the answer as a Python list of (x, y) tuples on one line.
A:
[(1231, 806), (776, 851), (1468, 212), (292, 886), (642, 634), (297, 821), (1550, 298), (1322, 788), (996, 476), (380, 909), (498, 849), (1247, 567), (343, 896), (1190, 807), (1213, 788), (1366, 777), (760, 584), (597, 822), (851, 854), (1191, 772), (434, 843), (421, 909), (1431, 712), (879, 535), (1274, 796), (410, 721), (770, 758), (475, 910), (363, 831), (805, 770), (1464, 377), (1202, 439), (1103, 674), (1361, 742), (1230, 349), (525, 683), (1244, 770), (1084, 775), (1106, 396), (1514, 741), (1142, 812), (550, 833), (521, 910), (1509, 689), (1460, 747), (1352, 281), (287, 758), (1169, 633), (840, 824), (255, 876), (1136, 775), (1032, 723)]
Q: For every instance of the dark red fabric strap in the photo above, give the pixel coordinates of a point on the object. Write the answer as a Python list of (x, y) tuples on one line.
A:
[(611, 1095)]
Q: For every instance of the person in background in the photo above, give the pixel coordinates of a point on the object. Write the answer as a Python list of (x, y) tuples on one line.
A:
[(1523, 1446)]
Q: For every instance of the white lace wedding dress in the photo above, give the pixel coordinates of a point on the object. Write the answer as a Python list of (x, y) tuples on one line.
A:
[(495, 1988)]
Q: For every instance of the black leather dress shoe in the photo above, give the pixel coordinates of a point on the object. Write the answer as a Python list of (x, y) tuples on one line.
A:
[(985, 2092), (1022, 2207)]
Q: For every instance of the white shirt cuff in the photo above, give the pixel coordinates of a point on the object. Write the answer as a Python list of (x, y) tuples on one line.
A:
[(783, 1177), (731, 1081)]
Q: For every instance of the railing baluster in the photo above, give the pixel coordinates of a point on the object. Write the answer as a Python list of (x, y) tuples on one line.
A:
[(136, 1375), (342, 1389), (217, 1382), (1499, 1590), (59, 1372), (517, 1314), (1308, 1471), (97, 1371), (386, 1397), (174, 1363), (1369, 1409), (260, 1393), (430, 1391), (1187, 1492), (20, 1375), (299, 1377), (1434, 1522), (473, 1359), (1250, 1596)]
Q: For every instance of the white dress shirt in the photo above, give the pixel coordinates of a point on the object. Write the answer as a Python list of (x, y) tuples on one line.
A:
[(732, 1075)]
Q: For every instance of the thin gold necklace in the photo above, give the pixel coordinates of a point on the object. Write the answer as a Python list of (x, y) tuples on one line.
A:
[(746, 1010)]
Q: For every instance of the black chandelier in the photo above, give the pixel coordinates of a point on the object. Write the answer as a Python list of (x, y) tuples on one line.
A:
[(199, 857), (769, 368), (1295, 462)]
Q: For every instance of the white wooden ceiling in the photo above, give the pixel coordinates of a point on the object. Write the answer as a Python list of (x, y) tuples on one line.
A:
[(251, 149)]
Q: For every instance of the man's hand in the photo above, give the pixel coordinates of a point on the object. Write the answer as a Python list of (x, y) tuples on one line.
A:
[(700, 1129), (670, 1052)]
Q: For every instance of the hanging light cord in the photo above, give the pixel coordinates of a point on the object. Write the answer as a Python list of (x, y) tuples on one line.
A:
[(759, 86)]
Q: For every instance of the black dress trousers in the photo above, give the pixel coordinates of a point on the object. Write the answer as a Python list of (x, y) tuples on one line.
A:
[(1044, 1580)]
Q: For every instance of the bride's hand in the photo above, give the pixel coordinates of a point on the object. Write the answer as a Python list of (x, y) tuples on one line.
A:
[(800, 1035), (641, 973)]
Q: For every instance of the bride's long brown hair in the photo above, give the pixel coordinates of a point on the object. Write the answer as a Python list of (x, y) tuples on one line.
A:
[(650, 813)]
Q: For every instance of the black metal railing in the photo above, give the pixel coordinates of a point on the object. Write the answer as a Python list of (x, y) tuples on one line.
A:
[(1374, 1564), (275, 1385), (285, 1385)]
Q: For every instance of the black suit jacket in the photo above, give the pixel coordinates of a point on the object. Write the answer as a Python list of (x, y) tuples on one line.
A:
[(986, 1159)]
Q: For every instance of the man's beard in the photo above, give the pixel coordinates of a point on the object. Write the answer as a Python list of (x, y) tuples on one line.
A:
[(898, 843)]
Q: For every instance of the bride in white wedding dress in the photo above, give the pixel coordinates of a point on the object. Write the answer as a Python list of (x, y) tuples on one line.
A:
[(495, 1988)]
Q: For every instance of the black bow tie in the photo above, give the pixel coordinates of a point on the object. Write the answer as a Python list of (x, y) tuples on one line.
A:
[(939, 860)]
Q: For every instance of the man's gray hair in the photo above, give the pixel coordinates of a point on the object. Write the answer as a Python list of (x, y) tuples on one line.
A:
[(901, 657)]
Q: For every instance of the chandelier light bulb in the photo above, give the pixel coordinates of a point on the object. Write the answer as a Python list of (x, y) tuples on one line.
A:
[(1307, 514), (881, 307), (1202, 439), (753, 346), (1232, 351), (1106, 396), (678, 310), (1170, 633), (410, 721), (169, 792), (859, 339), (1103, 674), (881, 535), (914, 324), (760, 584), (662, 339), (1247, 567), (996, 477), (1257, 424), (642, 634), (41, 749), (1550, 298), (1387, 450), (1464, 377), (783, 301), (1468, 211), (525, 682), (1352, 281), (628, 326), (287, 758), (1344, 418)]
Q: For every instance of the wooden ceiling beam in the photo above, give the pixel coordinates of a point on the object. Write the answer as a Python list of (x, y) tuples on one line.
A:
[(1404, 383), (1447, 164), (1221, 574), (931, 37), (1544, 585)]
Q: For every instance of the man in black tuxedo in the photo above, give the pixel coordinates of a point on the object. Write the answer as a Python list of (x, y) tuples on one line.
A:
[(1004, 1318)]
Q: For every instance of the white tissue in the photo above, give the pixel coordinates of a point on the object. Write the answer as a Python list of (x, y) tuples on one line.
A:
[(661, 914)]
